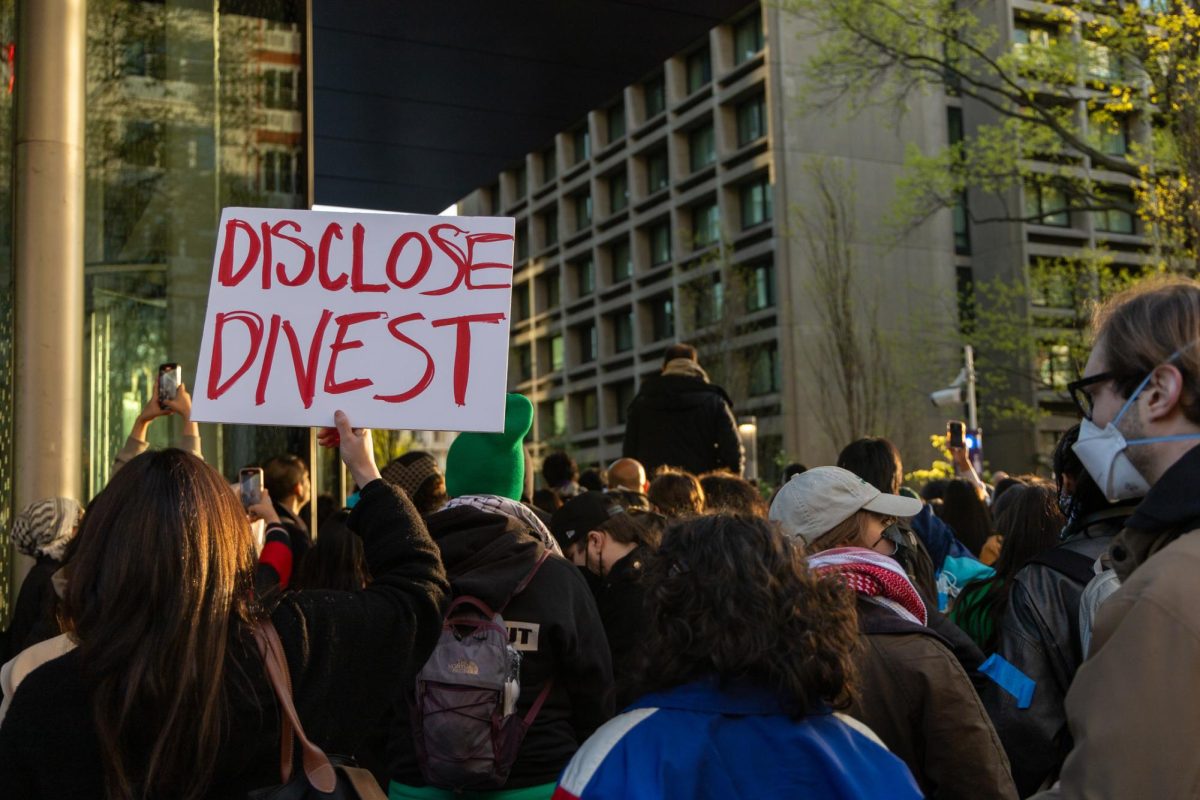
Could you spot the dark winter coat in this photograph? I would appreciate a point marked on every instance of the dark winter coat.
(915, 696)
(1039, 635)
(683, 422)
(297, 531)
(553, 623)
(33, 615)
(344, 650)
(621, 599)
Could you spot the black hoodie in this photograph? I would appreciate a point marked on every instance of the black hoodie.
(555, 625)
(1170, 509)
(683, 421)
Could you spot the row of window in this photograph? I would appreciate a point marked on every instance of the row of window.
(584, 407)
(751, 123)
(704, 300)
(755, 206)
(1046, 204)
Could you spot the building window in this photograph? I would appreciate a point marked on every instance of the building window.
(1056, 368)
(1050, 286)
(549, 164)
(1029, 36)
(747, 38)
(1119, 219)
(622, 332)
(752, 120)
(623, 394)
(706, 224)
(618, 191)
(702, 151)
(1103, 64)
(585, 277)
(585, 338)
(1110, 135)
(559, 417)
(709, 297)
(522, 182)
(522, 243)
(279, 89)
(553, 297)
(589, 416)
(699, 69)
(654, 97)
(760, 287)
(583, 211)
(615, 117)
(764, 370)
(524, 359)
(520, 302)
(583, 145)
(962, 228)
(280, 171)
(755, 201)
(550, 223)
(621, 259)
(662, 318)
(660, 243)
(556, 353)
(1046, 205)
(658, 172)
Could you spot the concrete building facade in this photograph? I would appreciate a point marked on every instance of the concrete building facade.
(685, 208)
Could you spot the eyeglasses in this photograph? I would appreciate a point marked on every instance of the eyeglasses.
(1083, 398)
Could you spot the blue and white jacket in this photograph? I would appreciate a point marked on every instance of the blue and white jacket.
(699, 741)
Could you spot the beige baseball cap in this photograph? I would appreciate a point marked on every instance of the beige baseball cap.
(814, 502)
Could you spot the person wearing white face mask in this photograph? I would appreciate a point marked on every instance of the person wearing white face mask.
(1134, 707)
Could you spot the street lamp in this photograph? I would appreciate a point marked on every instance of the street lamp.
(748, 431)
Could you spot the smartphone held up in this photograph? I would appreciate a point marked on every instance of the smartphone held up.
(170, 376)
(955, 433)
(250, 479)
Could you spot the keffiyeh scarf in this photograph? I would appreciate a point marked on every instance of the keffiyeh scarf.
(493, 504)
(46, 527)
(875, 576)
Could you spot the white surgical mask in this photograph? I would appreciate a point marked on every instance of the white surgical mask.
(1102, 452)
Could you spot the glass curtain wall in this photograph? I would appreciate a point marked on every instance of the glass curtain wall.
(192, 105)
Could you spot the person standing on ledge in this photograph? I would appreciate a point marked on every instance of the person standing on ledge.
(679, 419)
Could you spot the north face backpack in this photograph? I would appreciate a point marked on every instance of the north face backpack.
(465, 728)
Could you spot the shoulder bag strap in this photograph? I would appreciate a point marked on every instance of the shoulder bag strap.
(526, 580)
(317, 768)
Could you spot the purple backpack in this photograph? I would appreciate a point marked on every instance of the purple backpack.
(466, 731)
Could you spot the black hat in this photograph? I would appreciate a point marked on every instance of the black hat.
(580, 514)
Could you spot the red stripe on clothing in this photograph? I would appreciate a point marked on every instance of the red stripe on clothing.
(278, 556)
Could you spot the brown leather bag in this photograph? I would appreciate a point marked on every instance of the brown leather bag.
(326, 777)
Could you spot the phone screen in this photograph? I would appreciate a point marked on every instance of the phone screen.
(169, 378)
(954, 433)
(251, 480)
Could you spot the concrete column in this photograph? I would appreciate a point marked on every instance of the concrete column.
(48, 248)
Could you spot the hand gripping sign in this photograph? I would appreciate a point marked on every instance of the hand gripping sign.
(399, 320)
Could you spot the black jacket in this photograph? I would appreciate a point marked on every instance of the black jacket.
(683, 422)
(1039, 635)
(344, 650)
(553, 622)
(621, 599)
(297, 531)
(33, 615)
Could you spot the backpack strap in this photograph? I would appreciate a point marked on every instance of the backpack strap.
(317, 768)
(538, 702)
(526, 580)
(1070, 563)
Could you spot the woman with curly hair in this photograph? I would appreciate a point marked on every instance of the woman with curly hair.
(746, 655)
(911, 690)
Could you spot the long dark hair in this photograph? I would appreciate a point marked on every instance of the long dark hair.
(1030, 524)
(876, 460)
(336, 561)
(967, 515)
(731, 597)
(161, 583)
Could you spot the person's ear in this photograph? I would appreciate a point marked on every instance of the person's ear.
(1163, 392)
(595, 542)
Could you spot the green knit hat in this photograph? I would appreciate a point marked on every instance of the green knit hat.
(492, 463)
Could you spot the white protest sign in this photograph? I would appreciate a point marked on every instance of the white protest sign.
(399, 320)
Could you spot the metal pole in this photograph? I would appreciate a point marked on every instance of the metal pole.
(48, 244)
(972, 409)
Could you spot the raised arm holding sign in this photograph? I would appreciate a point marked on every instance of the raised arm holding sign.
(403, 323)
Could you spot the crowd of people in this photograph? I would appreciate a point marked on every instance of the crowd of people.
(659, 628)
